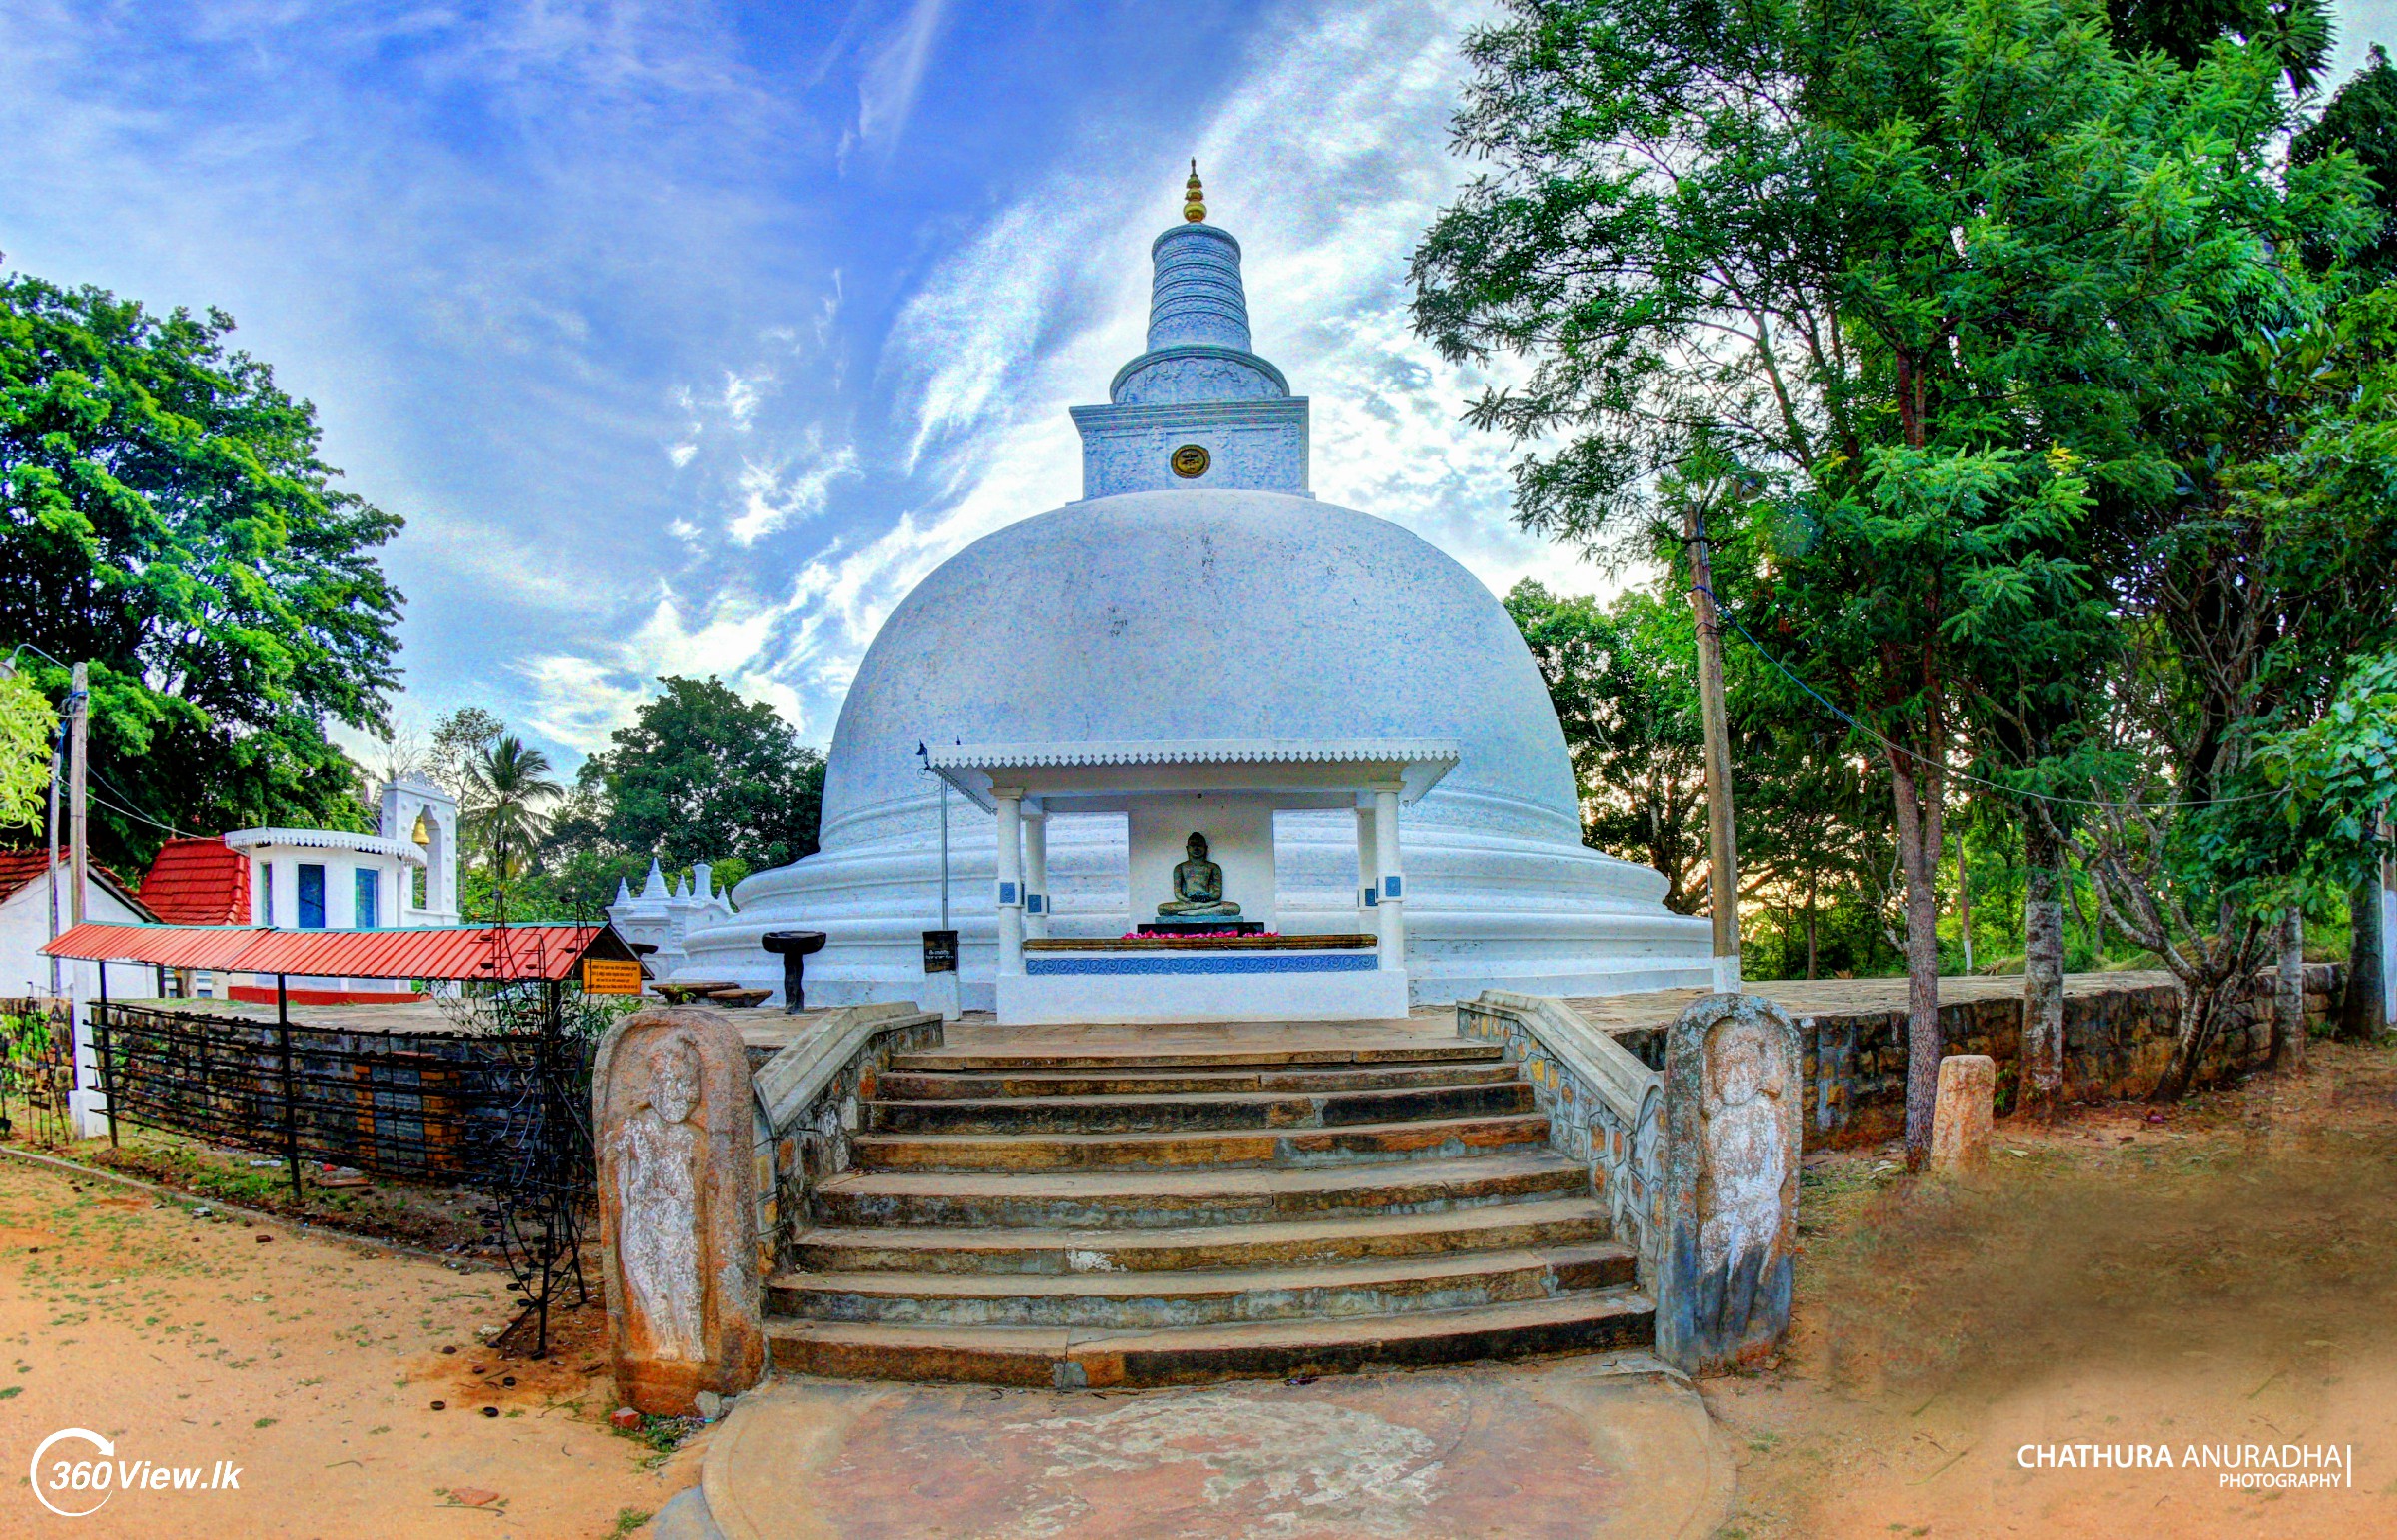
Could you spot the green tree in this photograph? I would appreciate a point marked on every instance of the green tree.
(507, 790)
(458, 739)
(26, 726)
(1904, 289)
(700, 775)
(1623, 679)
(2362, 119)
(164, 516)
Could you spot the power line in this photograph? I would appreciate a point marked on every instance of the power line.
(1724, 610)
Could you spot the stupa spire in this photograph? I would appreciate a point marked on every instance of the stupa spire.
(1198, 410)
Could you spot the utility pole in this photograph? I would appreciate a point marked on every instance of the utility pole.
(1722, 877)
(79, 707)
(1963, 900)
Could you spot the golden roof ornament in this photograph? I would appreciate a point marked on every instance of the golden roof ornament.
(1194, 197)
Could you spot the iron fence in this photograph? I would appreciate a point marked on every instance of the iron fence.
(451, 1109)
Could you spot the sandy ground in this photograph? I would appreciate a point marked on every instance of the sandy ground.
(2223, 1276)
(2226, 1275)
(310, 1364)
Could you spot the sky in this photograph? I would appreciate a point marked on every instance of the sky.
(687, 337)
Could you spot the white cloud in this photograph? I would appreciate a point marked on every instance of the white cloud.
(1328, 162)
(886, 94)
(774, 495)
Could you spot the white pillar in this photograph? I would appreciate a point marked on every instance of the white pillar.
(1036, 874)
(1368, 870)
(1393, 904)
(1010, 877)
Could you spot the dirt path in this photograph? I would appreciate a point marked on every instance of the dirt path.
(2221, 1276)
(310, 1364)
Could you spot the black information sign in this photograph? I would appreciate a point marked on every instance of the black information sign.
(939, 951)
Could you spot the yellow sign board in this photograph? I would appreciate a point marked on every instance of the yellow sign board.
(607, 975)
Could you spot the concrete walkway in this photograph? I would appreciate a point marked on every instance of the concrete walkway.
(1602, 1447)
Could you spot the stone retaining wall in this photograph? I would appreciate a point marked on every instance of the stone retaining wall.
(2117, 1041)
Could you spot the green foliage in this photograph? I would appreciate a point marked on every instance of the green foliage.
(2362, 119)
(700, 775)
(165, 518)
(1623, 679)
(507, 786)
(2342, 767)
(458, 739)
(27, 723)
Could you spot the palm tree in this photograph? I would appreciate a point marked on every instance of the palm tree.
(506, 786)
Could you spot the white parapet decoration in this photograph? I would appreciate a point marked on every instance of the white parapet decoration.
(663, 916)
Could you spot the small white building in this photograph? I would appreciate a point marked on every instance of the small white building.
(25, 900)
(401, 878)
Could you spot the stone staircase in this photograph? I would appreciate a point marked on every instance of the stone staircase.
(1161, 1208)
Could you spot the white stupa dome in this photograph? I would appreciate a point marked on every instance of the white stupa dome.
(1226, 604)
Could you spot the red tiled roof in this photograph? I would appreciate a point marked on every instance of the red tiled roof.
(20, 867)
(515, 951)
(199, 882)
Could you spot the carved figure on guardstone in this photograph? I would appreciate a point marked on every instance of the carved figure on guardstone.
(674, 1119)
(656, 1153)
(1730, 1204)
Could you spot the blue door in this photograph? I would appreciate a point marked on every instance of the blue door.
(370, 892)
(312, 898)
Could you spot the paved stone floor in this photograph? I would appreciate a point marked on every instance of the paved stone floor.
(1604, 1446)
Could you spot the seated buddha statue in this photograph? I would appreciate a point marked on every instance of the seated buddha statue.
(1197, 886)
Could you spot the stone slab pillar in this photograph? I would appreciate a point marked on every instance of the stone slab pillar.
(673, 1121)
(1036, 874)
(1369, 868)
(1959, 1118)
(1009, 895)
(1392, 899)
(1730, 1209)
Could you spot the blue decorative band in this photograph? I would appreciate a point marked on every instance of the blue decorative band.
(1007, 893)
(1389, 888)
(1183, 963)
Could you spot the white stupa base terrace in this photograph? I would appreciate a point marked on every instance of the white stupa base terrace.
(1486, 911)
(1215, 985)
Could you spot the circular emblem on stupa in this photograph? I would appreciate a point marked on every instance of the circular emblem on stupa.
(1189, 462)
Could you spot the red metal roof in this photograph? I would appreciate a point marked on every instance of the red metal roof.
(19, 867)
(199, 882)
(515, 951)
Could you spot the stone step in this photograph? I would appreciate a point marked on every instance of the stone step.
(1501, 1227)
(1073, 1357)
(1257, 1049)
(1179, 1199)
(1195, 1109)
(1158, 1299)
(929, 1086)
(1187, 1149)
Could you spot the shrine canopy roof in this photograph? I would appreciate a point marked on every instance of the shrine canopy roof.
(1296, 772)
(509, 954)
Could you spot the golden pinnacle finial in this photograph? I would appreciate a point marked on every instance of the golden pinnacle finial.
(1194, 197)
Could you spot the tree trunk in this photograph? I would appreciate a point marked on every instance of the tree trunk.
(2288, 992)
(2360, 1002)
(1810, 923)
(1918, 829)
(2190, 1038)
(2043, 969)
